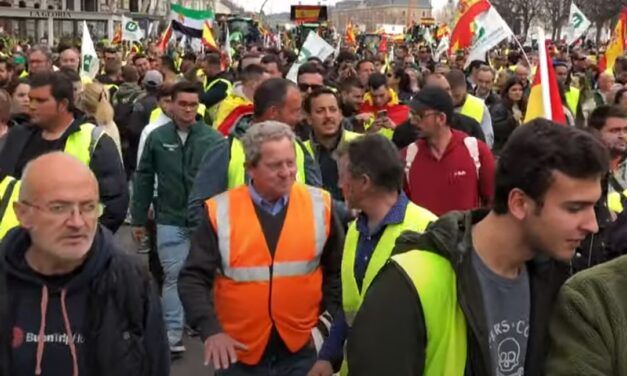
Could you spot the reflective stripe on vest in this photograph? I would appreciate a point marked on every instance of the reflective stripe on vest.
(473, 107)
(416, 219)
(236, 173)
(614, 201)
(572, 99)
(256, 290)
(347, 136)
(9, 191)
(80, 144)
(213, 110)
(436, 285)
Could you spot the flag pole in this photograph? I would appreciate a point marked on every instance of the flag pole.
(523, 50)
(544, 75)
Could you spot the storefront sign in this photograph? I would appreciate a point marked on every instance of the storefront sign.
(50, 14)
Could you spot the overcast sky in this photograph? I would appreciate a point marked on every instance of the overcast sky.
(280, 6)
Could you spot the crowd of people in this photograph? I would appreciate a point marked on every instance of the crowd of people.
(374, 217)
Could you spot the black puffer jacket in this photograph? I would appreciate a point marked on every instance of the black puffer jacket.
(503, 123)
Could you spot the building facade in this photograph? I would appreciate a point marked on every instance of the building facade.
(370, 14)
(50, 20)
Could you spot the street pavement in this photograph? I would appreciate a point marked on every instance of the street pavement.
(191, 364)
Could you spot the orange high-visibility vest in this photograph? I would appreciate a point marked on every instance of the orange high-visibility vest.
(255, 290)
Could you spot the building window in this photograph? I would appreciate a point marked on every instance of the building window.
(22, 4)
(36, 6)
(90, 5)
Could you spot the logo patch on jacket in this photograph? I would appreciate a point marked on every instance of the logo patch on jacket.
(170, 147)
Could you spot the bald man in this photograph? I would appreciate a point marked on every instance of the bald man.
(602, 95)
(522, 73)
(69, 58)
(65, 303)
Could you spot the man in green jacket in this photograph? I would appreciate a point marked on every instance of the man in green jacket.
(589, 327)
(172, 153)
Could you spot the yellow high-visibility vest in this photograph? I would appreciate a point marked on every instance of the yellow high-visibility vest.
(79, 144)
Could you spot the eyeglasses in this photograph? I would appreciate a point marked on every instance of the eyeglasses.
(188, 106)
(414, 116)
(89, 210)
(306, 87)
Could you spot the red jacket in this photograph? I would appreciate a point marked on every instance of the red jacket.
(450, 183)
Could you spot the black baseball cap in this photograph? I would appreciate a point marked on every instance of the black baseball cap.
(433, 98)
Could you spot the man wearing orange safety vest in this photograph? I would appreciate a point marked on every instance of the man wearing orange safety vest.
(262, 280)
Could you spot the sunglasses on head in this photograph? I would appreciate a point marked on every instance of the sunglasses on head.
(306, 87)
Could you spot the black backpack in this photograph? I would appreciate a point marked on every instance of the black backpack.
(122, 109)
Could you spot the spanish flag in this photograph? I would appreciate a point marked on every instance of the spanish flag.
(165, 38)
(442, 31)
(616, 47)
(349, 36)
(117, 37)
(463, 33)
(207, 38)
(544, 98)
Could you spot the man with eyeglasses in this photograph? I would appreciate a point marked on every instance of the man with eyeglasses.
(425, 60)
(172, 153)
(445, 169)
(71, 301)
(310, 77)
(222, 167)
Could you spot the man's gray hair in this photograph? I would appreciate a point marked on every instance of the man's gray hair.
(43, 49)
(263, 132)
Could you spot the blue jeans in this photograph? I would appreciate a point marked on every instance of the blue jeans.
(173, 247)
(297, 364)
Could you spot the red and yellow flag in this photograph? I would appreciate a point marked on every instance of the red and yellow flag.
(544, 97)
(349, 34)
(463, 32)
(165, 38)
(117, 36)
(207, 37)
(616, 47)
(442, 31)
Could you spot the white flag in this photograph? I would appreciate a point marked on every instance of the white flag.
(89, 59)
(131, 30)
(442, 48)
(577, 24)
(338, 48)
(313, 46)
(428, 37)
(490, 30)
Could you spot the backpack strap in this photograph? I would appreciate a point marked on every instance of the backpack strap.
(473, 149)
(96, 133)
(412, 151)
